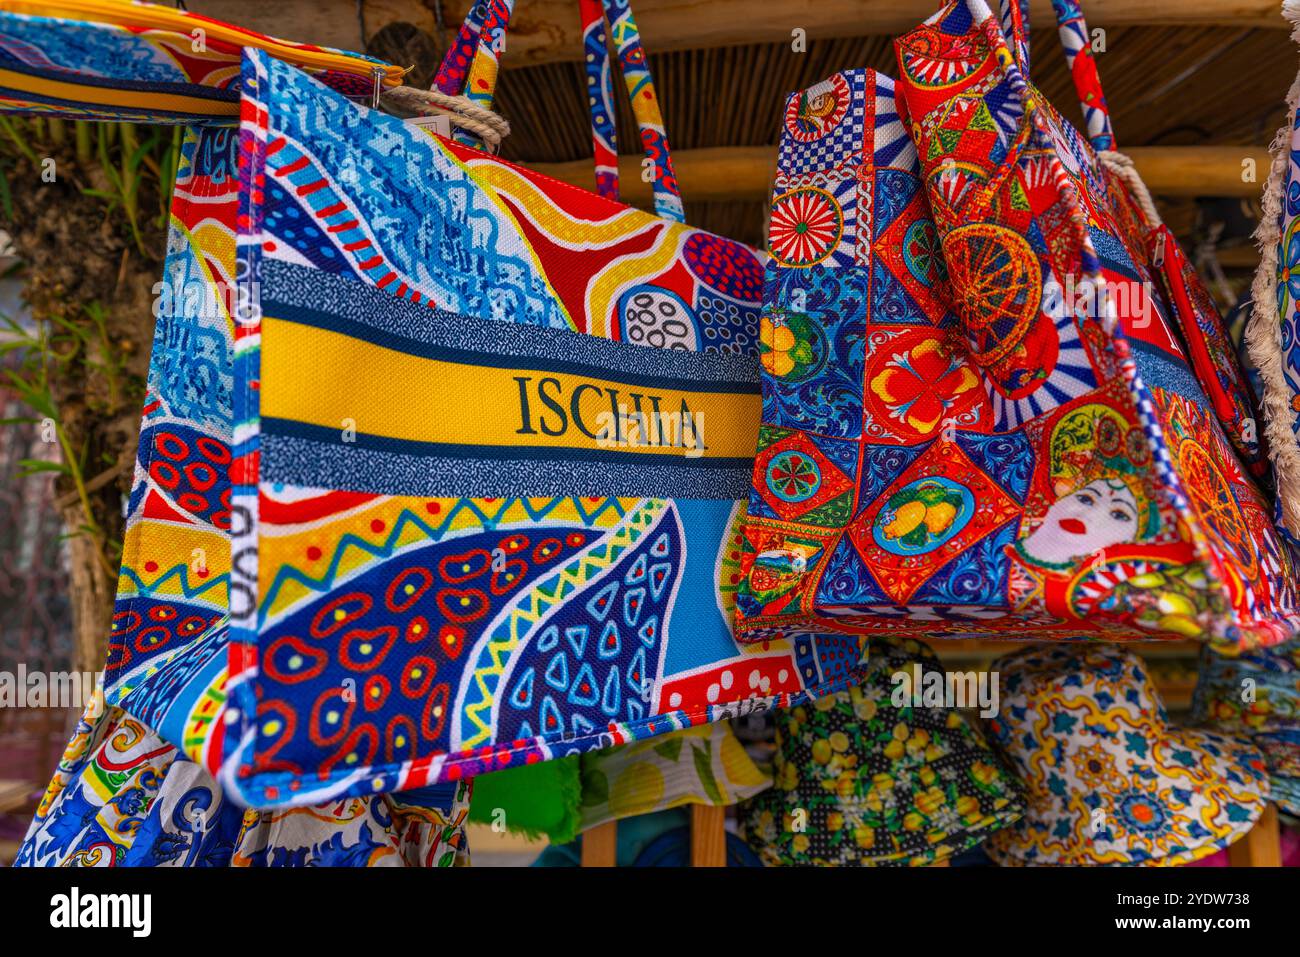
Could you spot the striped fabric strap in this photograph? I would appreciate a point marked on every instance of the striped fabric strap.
(1015, 26)
(481, 81)
(1077, 41)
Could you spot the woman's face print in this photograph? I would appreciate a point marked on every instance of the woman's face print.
(1098, 515)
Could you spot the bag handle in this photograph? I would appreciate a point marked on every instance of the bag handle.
(600, 97)
(1015, 26)
(1073, 31)
(597, 15)
(470, 68)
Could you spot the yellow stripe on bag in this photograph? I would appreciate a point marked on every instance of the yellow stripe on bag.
(83, 94)
(336, 382)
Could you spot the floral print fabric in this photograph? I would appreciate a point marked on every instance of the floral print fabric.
(861, 781)
(1257, 695)
(1109, 780)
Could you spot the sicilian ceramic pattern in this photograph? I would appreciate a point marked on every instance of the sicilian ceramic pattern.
(874, 782)
(148, 69)
(959, 438)
(1109, 780)
(1282, 753)
(405, 640)
(123, 797)
(701, 765)
(1214, 357)
(1274, 334)
(1257, 694)
(1288, 263)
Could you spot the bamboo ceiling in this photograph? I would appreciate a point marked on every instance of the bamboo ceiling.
(1166, 86)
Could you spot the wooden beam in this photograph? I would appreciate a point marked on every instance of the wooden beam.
(708, 836)
(546, 31)
(600, 845)
(729, 173)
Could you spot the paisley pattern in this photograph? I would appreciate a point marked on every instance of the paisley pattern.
(1109, 780)
(866, 777)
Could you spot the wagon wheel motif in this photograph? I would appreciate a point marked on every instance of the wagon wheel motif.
(806, 226)
(932, 59)
(922, 253)
(1212, 499)
(793, 477)
(997, 285)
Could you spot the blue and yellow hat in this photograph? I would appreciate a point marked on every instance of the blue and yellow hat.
(1109, 779)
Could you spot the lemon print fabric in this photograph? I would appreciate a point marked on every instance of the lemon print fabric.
(701, 765)
(862, 782)
(922, 516)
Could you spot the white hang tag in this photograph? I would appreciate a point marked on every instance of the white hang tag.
(434, 124)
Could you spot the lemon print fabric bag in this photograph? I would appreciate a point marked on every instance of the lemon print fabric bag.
(979, 414)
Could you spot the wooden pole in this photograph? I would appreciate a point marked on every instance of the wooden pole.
(546, 31)
(708, 836)
(1262, 846)
(729, 173)
(600, 845)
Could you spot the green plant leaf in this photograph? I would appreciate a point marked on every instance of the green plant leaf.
(32, 466)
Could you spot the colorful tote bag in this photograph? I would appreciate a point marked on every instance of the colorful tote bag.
(412, 439)
(108, 59)
(985, 424)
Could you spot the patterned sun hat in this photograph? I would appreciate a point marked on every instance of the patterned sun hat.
(1110, 780)
(862, 781)
(1257, 695)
